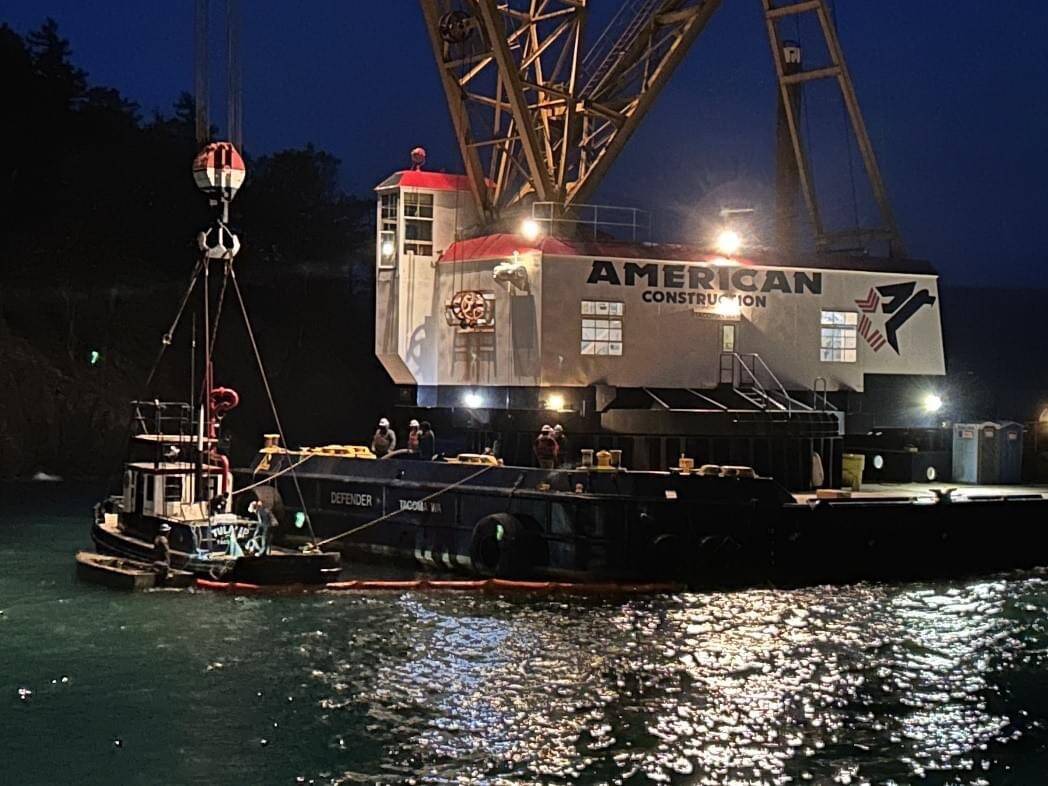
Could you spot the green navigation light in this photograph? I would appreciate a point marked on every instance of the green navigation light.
(300, 520)
(95, 357)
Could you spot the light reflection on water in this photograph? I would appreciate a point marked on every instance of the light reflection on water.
(921, 683)
(849, 685)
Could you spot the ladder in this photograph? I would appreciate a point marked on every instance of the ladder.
(616, 39)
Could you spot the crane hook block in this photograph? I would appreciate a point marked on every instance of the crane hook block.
(219, 170)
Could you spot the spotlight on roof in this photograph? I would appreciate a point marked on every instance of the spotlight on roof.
(555, 402)
(932, 403)
(529, 229)
(473, 400)
(728, 242)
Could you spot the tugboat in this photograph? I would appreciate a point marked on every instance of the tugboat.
(176, 479)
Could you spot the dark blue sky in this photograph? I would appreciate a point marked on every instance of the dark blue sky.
(955, 98)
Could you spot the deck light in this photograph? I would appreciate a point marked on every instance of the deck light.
(529, 229)
(473, 400)
(387, 248)
(932, 403)
(555, 402)
(729, 242)
(728, 307)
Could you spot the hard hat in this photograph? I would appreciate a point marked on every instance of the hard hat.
(413, 423)
(383, 423)
(165, 527)
(558, 427)
(546, 429)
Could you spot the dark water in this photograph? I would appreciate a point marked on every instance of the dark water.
(937, 684)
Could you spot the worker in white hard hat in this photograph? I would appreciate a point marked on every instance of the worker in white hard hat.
(546, 448)
(385, 440)
(413, 435)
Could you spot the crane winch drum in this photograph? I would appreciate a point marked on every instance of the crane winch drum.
(219, 170)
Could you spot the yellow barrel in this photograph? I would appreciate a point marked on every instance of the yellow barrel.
(852, 465)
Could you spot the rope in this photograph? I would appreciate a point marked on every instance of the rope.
(391, 514)
(274, 476)
(269, 394)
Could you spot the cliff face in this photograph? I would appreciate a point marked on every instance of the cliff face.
(55, 416)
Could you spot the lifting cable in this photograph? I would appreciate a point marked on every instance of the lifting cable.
(393, 513)
(165, 342)
(269, 394)
(218, 312)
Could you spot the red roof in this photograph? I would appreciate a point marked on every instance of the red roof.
(420, 178)
(502, 246)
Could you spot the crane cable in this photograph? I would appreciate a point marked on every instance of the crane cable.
(269, 394)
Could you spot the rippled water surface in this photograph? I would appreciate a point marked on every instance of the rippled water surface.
(917, 683)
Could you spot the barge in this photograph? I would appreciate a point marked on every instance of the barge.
(711, 527)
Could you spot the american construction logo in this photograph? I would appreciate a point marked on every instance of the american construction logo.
(700, 285)
(896, 300)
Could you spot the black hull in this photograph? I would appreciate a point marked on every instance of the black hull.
(709, 532)
(281, 567)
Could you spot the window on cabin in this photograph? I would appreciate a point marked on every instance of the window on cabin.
(150, 483)
(418, 223)
(388, 221)
(838, 337)
(173, 489)
(601, 328)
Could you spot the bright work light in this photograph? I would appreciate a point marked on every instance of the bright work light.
(555, 402)
(473, 400)
(529, 229)
(729, 242)
(387, 248)
(932, 403)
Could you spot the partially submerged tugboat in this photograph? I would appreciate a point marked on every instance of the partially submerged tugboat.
(176, 478)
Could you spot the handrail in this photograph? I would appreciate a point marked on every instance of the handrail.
(606, 51)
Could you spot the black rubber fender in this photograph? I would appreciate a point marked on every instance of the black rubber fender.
(667, 557)
(506, 546)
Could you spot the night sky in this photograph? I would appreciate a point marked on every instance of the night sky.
(955, 97)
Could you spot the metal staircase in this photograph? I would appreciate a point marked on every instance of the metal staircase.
(752, 379)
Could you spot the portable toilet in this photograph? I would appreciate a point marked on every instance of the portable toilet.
(990, 452)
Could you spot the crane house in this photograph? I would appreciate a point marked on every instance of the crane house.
(657, 348)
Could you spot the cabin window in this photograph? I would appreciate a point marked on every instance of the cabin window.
(388, 221)
(601, 328)
(150, 483)
(418, 223)
(173, 489)
(838, 337)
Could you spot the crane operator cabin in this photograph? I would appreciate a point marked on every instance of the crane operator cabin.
(506, 299)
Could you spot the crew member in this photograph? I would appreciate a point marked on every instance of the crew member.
(546, 448)
(427, 441)
(562, 443)
(162, 552)
(413, 436)
(385, 440)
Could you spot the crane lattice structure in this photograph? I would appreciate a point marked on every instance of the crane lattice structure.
(539, 119)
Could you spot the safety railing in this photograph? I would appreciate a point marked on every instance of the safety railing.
(743, 371)
(596, 222)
